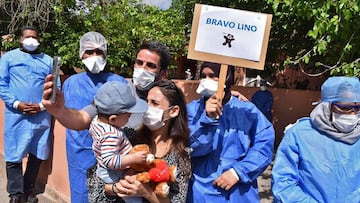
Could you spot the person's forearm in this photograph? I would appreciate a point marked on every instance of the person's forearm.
(109, 190)
(73, 119)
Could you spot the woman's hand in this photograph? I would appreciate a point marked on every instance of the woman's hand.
(213, 107)
(130, 187)
(239, 95)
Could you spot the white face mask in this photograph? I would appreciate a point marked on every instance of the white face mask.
(30, 44)
(345, 122)
(262, 88)
(143, 78)
(95, 64)
(153, 118)
(207, 87)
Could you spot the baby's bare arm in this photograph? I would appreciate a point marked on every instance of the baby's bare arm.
(135, 158)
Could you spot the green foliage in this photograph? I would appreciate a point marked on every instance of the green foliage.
(322, 36)
(124, 24)
(9, 42)
(327, 30)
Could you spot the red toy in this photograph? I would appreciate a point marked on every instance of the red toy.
(155, 171)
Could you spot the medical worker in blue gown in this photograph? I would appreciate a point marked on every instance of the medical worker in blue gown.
(232, 143)
(79, 91)
(27, 125)
(318, 159)
(263, 99)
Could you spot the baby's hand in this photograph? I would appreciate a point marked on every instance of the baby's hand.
(140, 157)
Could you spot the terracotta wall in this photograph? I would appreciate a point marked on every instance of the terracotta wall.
(289, 105)
(53, 173)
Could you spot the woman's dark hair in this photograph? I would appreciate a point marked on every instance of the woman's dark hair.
(178, 126)
(229, 80)
(178, 130)
(215, 67)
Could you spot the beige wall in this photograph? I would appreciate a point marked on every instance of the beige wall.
(53, 172)
(289, 105)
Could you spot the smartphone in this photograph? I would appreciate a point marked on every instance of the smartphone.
(55, 73)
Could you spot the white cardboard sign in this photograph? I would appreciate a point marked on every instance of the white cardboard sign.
(229, 36)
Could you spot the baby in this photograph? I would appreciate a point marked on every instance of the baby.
(115, 102)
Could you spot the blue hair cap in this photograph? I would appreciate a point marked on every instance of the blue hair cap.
(341, 89)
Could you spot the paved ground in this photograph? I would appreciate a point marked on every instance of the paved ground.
(43, 198)
(263, 182)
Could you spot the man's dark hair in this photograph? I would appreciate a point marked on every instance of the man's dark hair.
(159, 48)
(29, 28)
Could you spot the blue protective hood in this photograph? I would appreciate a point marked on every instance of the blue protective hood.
(341, 89)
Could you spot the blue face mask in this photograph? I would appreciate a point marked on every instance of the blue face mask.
(345, 122)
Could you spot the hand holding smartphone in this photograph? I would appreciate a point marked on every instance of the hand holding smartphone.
(55, 73)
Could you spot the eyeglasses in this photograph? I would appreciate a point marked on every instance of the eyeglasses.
(148, 64)
(96, 51)
(347, 108)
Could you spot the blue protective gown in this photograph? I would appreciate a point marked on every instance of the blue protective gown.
(242, 139)
(312, 167)
(79, 91)
(264, 101)
(22, 77)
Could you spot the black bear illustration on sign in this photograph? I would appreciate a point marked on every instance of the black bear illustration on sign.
(228, 39)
